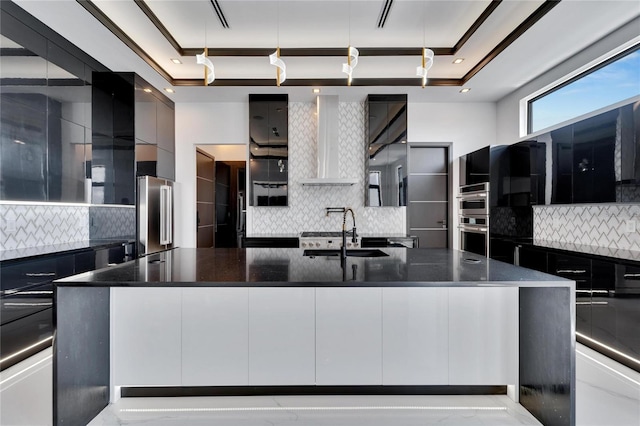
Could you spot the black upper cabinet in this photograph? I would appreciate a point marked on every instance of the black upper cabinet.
(527, 173)
(386, 151)
(269, 152)
(594, 143)
(475, 167)
(596, 160)
(133, 134)
(562, 154)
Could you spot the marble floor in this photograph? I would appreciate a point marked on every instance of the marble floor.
(318, 411)
(607, 394)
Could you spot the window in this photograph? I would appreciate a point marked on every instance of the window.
(610, 82)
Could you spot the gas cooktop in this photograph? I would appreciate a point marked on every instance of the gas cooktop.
(323, 234)
(326, 239)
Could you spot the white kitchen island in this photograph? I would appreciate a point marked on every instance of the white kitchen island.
(272, 321)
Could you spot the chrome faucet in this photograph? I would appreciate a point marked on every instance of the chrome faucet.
(344, 231)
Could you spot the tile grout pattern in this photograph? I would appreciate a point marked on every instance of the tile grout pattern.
(589, 225)
(25, 226)
(41, 225)
(306, 204)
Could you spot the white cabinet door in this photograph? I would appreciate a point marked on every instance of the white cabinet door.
(145, 337)
(215, 336)
(415, 341)
(282, 336)
(483, 343)
(349, 336)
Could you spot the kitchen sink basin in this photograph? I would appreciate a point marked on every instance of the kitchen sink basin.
(350, 253)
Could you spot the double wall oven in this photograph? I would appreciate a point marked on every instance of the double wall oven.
(473, 222)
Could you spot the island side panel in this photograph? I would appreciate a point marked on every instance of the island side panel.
(547, 354)
(80, 354)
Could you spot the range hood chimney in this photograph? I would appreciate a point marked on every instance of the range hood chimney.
(327, 148)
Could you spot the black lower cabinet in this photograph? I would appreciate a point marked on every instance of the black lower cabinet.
(607, 299)
(26, 300)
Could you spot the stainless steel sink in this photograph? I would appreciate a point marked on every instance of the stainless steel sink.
(350, 253)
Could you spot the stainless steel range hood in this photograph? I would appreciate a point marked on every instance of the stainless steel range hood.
(327, 147)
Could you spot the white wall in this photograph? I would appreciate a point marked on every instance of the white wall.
(468, 125)
(508, 108)
(201, 124)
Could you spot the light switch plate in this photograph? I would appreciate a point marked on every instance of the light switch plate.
(10, 226)
(630, 225)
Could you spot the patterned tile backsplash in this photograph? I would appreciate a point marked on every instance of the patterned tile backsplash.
(306, 210)
(32, 225)
(38, 225)
(108, 222)
(601, 225)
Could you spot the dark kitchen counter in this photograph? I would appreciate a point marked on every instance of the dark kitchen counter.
(289, 267)
(34, 252)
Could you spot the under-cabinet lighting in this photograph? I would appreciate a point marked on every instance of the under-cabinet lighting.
(458, 60)
(13, 355)
(176, 61)
(613, 370)
(147, 90)
(312, 408)
(464, 90)
(169, 90)
(315, 90)
(609, 348)
(26, 369)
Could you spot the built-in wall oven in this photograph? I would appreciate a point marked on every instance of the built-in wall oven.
(473, 218)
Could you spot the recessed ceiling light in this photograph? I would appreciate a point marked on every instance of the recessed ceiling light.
(316, 90)
(464, 90)
(170, 90)
(176, 61)
(147, 90)
(458, 60)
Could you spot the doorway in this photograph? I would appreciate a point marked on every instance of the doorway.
(428, 209)
(230, 203)
(205, 199)
(221, 200)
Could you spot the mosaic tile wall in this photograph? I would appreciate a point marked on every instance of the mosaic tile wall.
(36, 225)
(307, 203)
(108, 222)
(602, 225)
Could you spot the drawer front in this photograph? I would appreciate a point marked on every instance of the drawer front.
(30, 273)
(627, 279)
(25, 302)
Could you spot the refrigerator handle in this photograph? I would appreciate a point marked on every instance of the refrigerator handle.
(166, 215)
(239, 215)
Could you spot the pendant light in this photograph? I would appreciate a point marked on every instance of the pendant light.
(352, 56)
(274, 58)
(201, 59)
(427, 55)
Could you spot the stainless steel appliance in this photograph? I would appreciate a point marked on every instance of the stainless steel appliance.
(473, 221)
(241, 215)
(474, 199)
(327, 240)
(155, 215)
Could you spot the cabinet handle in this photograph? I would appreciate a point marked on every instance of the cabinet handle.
(40, 274)
(632, 276)
(571, 271)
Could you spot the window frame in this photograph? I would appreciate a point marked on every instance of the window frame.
(526, 120)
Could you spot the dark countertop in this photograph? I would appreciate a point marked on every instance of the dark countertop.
(288, 267)
(68, 248)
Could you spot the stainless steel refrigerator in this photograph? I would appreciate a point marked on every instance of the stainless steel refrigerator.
(155, 215)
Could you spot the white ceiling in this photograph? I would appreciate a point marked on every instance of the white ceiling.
(567, 29)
